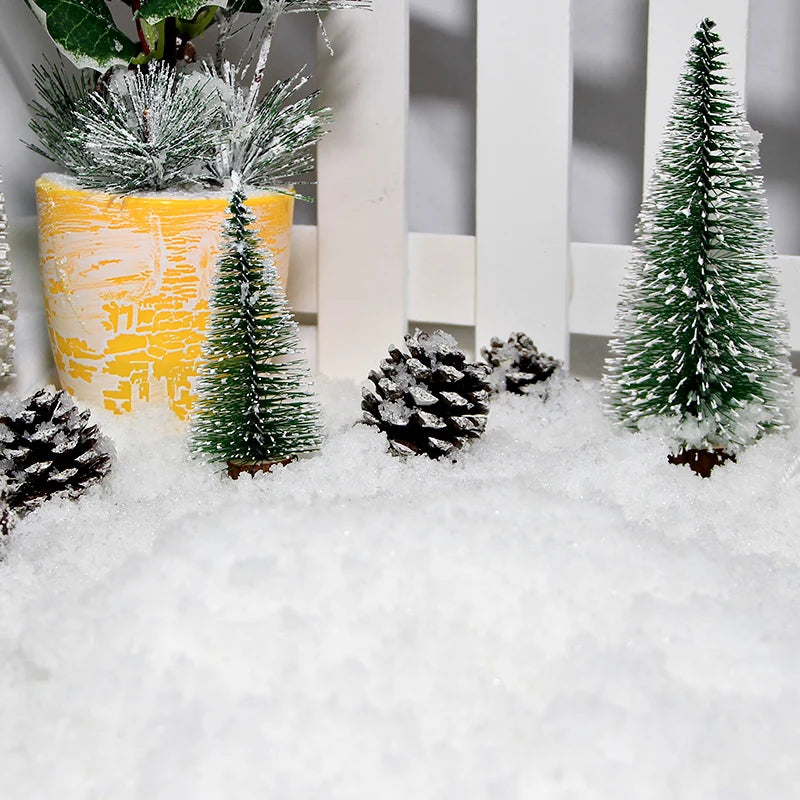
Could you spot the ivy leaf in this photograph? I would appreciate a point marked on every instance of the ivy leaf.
(85, 32)
(154, 11)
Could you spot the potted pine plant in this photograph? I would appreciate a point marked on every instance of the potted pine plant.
(150, 140)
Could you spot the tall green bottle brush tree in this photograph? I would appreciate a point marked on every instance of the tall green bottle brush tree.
(702, 337)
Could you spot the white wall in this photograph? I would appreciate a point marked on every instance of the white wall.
(609, 53)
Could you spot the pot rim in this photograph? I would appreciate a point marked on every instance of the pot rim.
(57, 181)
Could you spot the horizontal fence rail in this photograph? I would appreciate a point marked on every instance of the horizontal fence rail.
(441, 282)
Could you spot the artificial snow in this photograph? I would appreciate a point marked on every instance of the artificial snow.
(558, 614)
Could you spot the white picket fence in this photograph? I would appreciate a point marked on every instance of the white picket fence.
(361, 276)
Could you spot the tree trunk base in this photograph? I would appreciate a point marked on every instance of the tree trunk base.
(235, 469)
(701, 462)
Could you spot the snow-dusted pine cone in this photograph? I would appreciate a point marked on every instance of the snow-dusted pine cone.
(517, 364)
(49, 449)
(429, 400)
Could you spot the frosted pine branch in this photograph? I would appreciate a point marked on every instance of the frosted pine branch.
(316, 6)
(149, 132)
(142, 131)
(55, 114)
(271, 143)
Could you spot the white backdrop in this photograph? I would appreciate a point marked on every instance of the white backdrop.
(609, 51)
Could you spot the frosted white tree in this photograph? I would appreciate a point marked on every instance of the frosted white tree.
(269, 144)
(8, 300)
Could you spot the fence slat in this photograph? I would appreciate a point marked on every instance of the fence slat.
(361, 206)
(670, 29)
(441, 279)
(524, 138)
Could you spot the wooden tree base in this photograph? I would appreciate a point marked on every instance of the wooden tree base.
(701, 461)
(235, 469)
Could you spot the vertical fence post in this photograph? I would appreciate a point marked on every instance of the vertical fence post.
(670, 28)
(361, 205)
(524, 138)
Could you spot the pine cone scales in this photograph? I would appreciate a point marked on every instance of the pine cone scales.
(517, 364)
(430, 400)
(49, 449)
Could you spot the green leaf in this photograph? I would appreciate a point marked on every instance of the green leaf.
(85, 32)
(154, 11)
(201, 21)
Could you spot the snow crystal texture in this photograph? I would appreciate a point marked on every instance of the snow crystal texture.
(558, 614)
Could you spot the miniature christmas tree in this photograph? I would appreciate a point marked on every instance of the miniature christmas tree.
(701, 336)
(254, 406)
(48, 449)
(8, 301)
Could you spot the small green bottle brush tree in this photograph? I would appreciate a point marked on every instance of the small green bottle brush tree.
(255, 406)
(701, 334)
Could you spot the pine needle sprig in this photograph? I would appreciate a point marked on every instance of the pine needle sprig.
(55, 114)
(140, 130)
(269, 144)
(148, 132)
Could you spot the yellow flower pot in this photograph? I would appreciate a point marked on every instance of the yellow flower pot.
(126, 284)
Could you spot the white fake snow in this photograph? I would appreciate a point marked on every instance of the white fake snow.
(560, 614)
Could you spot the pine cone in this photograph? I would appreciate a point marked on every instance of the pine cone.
(431, 401)
(517, 364)
(48, 449)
